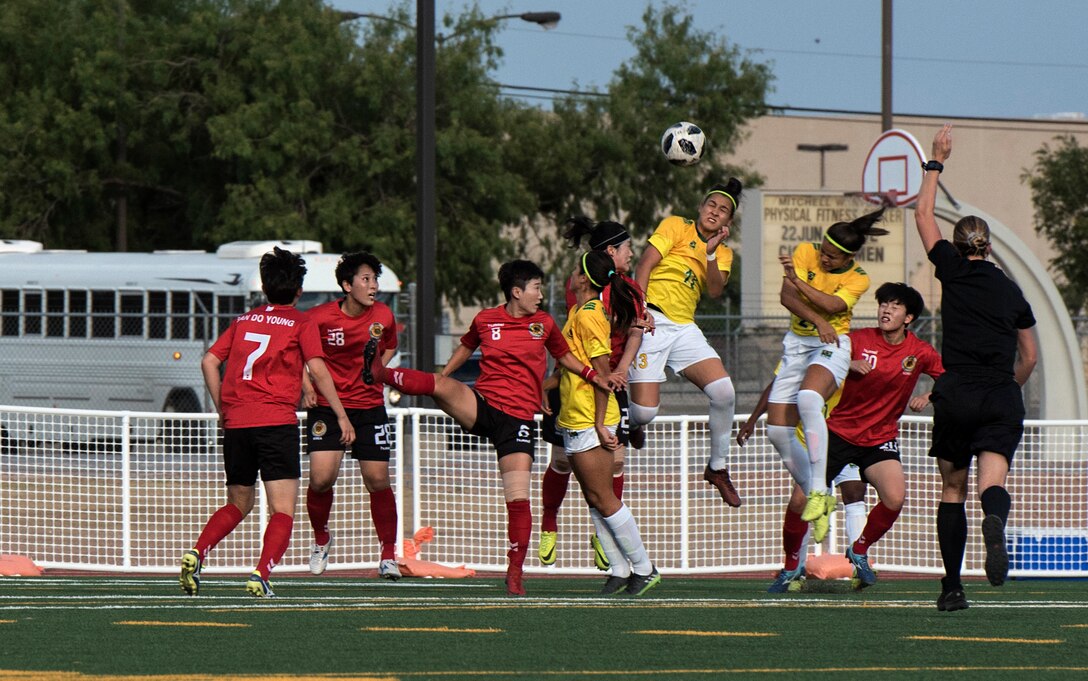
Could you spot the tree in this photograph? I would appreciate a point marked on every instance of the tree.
(1059, 189)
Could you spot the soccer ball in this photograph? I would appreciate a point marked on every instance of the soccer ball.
(683, 143)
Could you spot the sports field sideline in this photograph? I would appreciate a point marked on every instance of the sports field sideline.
(704, 628)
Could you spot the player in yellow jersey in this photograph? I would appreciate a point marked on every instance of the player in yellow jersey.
(820, 286)
(684, 259)
(589, 417)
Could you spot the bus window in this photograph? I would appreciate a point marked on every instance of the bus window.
(32, 313)
(180, 315)
(132, 314)
(156, 314)
(202, 315)
(311, 299)
(54, 311)
(229, 308)
(103, 309)
(9, 307)
(77, 314)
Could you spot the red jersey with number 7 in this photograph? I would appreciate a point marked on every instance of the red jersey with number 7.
(264, 351)
(514, 356)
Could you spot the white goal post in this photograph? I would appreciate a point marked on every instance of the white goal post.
(132, 492)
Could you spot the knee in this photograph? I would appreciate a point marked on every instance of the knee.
(617, 468)
(376, 482)
(853, 491)
(809, 403)
(641, 414)
(894, 500)
(721, 392)
(320, 484)
(561, 465)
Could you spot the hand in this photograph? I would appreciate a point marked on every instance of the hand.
(919, 403)
(618, 379)
(787, 267)
(860, 366)
(605, 382)
(827, 333)
(545, 404)
(647, 323)
(607, 438)
(716, 239)
(347, 433)
(942, 143)
(309, 397)
(745, 432)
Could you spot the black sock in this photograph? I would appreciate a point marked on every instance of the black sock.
(952, 537)
(996, 501)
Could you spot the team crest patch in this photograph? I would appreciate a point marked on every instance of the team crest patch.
(826, 354)
(319, 428)
(692, 244)
(536, 329)
(909, 363)
(376, 330)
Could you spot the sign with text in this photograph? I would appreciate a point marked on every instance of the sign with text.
(793, 218)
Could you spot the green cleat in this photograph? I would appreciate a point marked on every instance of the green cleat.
(821, 525)
(547, 547)
(258, 586)
(190, 572)
(599, 557)
(815, 507)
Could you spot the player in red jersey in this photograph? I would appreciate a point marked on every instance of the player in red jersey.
(863, 428)
(515, 340)
(264, 351)
(352, 328)
(611, 238)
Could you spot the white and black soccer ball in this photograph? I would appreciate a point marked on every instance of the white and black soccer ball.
(683, 143)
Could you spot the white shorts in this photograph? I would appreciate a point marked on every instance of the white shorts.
(801, 352)
(575, 441)
(676, 346)
(849, 473)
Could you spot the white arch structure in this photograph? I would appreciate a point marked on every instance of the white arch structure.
(1063, 389)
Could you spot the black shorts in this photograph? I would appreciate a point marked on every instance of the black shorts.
(272, 450)
(840, 453)
(551, 433)
(507, 433)
(372, 432)
(973, 414)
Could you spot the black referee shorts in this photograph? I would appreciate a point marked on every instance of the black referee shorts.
(973, 414)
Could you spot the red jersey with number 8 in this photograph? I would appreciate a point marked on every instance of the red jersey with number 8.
(264, 351)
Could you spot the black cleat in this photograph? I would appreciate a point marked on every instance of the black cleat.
(950, 601)
(997, 556)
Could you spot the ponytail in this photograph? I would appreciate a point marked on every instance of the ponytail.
(849, 237)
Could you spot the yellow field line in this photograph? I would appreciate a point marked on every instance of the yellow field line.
(138, 623)
(435, 630)
(979, 639)
(665, 632)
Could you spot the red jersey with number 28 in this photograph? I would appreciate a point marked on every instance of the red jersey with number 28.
(343, 339)
(514, 357)
(264, 351)
(871, 404)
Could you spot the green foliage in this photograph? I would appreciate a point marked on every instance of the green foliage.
(211, 120)
(1059, 188)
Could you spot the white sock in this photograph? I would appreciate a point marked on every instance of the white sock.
(640, 414)
(855, 520)
(810, 405)
(723, 405)
(625, 530)
(620, 566)
(793, 455)
(804, 547)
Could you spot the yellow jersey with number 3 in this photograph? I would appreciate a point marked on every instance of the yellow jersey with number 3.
(677, 282)
(588, 333)
(849, 283)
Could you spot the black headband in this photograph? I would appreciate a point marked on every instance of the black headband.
(607, 234)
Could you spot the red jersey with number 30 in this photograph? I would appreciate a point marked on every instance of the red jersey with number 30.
(264, 351)
(514, 357)
(868, 412)
(343, 339)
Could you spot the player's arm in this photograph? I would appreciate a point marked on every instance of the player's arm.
(924, 216)
(309, 394)
(600, 411)
(209, 366)
(823, 302)
(715, 278)
(1027, 355)
(630, 350)
(590, 373)
(323, 380)
(649, 260)
(749, 426)
(460, 355)
(791, 299)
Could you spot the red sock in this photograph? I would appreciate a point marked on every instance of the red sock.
(383, 511)
(218, 526)
(276, 538)
(318, 508)
(880, 520)
(519, 526)
(793, 536)
(552, 492)
(410, 381)
(617, 486)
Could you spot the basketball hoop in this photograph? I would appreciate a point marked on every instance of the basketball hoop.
(892, 174)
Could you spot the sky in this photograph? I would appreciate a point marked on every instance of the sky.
(956, 58)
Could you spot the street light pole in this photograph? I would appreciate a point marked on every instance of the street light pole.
(426, 228)
(823, 149)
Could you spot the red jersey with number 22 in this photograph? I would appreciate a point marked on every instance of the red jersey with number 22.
(514, 357)
(344, 339)
(264, 351)
(871, 404)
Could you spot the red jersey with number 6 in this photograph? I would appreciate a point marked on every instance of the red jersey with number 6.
(264, 351)
(868, 411)
(514, 357)
(343, 339)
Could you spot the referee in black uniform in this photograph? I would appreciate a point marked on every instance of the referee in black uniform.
(989, 350)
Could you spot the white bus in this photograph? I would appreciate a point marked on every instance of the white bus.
(126, 331)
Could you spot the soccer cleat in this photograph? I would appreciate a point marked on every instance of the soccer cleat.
(720, 480)
(997, 556)
(785, 581)
(547, 547)
(514, 587)
(815, 507)
(614, 585)
(319, 556)
(640, 584)
(864, 573)
(258, 586)
(190, 572)
(952, 600)
(387, 569)
(599, 557)
(821, 525)
(637, 436)
(369, 352)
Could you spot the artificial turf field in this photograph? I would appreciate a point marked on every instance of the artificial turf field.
(686, 628)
